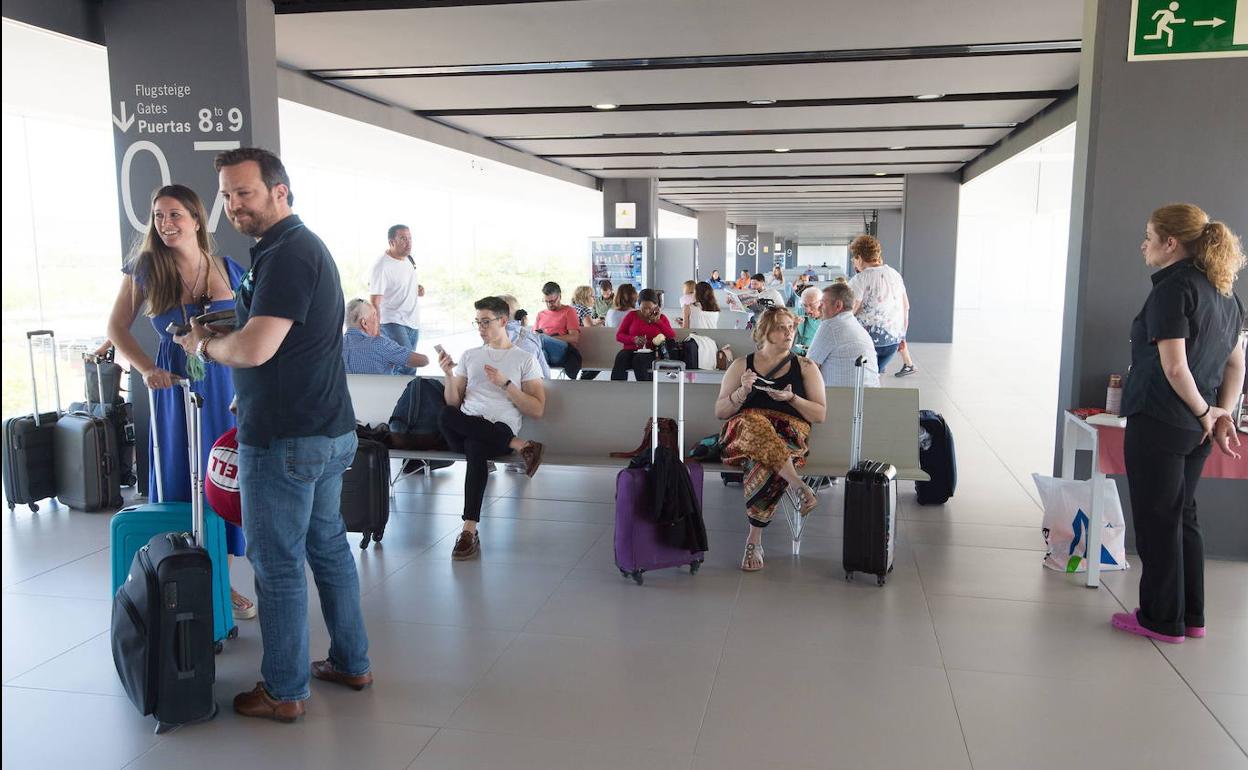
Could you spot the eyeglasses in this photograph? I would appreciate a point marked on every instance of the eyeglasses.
(482, 323)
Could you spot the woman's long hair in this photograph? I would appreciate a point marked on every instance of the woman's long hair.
(1215, 250)
(626, 297)
(704, 295)
(153, 265)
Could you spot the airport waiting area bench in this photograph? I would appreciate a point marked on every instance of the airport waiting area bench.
(586, 420)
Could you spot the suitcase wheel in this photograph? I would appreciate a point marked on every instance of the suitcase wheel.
(34, 507)
(12, 507)
(377, 537)
(694, 567)
(217, 647)
(636, 576)
(623, 572)
(879, 580)
(232, 633)
(364, 542)
(849, 576)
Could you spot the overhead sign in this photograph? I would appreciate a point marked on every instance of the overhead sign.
(1187, 29)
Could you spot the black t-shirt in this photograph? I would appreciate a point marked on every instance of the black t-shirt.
(302, 389)
(1182, 305)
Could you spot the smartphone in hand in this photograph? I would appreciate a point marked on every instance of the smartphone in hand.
(441, 350)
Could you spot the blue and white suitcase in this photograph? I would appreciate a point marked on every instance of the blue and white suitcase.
(132, 527)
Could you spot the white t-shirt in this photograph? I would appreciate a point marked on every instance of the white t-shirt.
(702, 319)
(395, 280)
(483, 398)
(882, 293)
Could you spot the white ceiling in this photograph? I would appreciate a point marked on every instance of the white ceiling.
(686, 122)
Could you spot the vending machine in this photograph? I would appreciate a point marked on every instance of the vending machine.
(620, 261)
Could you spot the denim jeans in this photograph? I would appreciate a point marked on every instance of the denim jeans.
(560, 353)
(405, 336)
(884, 354)
(291, 492)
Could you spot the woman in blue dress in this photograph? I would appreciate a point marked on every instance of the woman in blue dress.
(172, 277)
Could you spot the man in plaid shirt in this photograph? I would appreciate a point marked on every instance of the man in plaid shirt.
(366, 351)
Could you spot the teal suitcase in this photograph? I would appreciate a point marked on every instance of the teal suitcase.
(131, 528)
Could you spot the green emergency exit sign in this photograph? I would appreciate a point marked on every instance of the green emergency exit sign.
(1188, 29)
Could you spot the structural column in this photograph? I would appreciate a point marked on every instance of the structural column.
(187, 80)
(712, 243)
(1149, 133)
(766, 251)
(928, 254)
(747, 248)
(889, 233)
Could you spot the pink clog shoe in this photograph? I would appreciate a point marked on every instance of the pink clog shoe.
(1127, 621)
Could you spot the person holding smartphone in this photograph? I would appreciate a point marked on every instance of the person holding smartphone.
(488, 393)
(641, 332)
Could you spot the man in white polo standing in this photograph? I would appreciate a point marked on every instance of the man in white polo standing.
(395, 292)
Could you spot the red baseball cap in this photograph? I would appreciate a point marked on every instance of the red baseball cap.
(221, 484)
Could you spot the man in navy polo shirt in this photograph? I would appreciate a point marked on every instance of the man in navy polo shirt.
(296, 436)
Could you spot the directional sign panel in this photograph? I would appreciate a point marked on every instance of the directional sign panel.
(1188, 29)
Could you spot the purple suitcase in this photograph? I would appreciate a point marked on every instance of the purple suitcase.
(638, 544)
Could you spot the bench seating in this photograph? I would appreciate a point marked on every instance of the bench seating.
(598, 345)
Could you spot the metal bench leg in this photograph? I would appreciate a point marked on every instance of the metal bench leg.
(793, 516)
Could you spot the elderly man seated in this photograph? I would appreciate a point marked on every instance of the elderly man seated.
(365, 351)
(811, 301)
(841, 339)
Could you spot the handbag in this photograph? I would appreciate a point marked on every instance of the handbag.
(723, 357)
(668, 437)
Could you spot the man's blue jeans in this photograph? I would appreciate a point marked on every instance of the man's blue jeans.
(405, 336)
(555, 349)
(291, 494)
(884, 354)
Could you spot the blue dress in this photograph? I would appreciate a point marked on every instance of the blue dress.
(217, 388)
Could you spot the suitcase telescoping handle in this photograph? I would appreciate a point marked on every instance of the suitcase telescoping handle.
(192, 403)
(678, 367)
(855, 445)
(56, 375)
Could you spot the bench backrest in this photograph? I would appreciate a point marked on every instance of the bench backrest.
(598, 345)
(589, 420)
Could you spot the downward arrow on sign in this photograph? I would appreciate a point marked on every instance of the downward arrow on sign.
(123, 122)
(1215, 22)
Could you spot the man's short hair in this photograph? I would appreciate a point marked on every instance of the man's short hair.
(496, 305)
(604, 285)
(272, 172)
(393, 232)
(758, 277)
(839, 292)
(357, 311)
(808, 292)
(550, 287)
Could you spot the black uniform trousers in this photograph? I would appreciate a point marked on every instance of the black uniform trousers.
(1164, 464)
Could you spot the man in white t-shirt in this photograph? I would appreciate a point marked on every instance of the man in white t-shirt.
(487, 392)
(394, 291)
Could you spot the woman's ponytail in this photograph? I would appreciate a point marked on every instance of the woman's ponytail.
(1219, 255)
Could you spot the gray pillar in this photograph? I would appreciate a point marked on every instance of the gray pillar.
(641, 192)
(766, 249)
(187, 79)
(890, 236)
(790, 252)
(747, 248)
(929, 251)
(1140, 144)
(712, 245)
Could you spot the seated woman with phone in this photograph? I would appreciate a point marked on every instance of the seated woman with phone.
(641, 333)
(770, 399)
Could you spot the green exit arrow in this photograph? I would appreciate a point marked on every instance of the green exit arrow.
(1188, 29)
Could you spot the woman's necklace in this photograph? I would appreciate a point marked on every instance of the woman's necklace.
(190, 289)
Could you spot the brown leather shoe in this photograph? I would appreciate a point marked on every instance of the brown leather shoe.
(324, 670)
(467, 545)
(258, 703)
(532, 454)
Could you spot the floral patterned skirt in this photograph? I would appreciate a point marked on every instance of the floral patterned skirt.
(760, 440)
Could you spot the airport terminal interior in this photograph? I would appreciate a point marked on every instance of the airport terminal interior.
(1006, 156)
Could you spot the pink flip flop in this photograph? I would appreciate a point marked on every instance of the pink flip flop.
(1127, 621)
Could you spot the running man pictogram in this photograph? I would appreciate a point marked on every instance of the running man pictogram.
(1164, 18)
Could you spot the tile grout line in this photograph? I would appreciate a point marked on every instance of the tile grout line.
(9, 588)
(706, 707)
(940, 649)
(88, 640)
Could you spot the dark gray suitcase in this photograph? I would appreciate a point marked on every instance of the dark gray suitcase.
(870, 523)
(118, 412)
(29, 474)
(87, 471)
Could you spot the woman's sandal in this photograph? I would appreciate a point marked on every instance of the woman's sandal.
(810, 501)
(753, 559)
(244, 608)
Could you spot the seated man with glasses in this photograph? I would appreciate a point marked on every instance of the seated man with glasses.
(559, 326)
(487, 393)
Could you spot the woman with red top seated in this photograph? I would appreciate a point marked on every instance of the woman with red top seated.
(644, 328)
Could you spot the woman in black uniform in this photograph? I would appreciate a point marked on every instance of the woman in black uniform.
(1187, 369)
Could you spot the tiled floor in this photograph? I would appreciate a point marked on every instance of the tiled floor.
(541, 657)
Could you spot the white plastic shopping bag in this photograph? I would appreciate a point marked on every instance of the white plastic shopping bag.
(1066, 506)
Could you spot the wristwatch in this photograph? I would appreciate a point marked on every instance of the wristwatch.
(201, 349)
(506, 384)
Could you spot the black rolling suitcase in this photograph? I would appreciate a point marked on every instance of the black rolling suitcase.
(870, 525)
(29, 463)
(366, 491)
(162, 631)
(938, 460)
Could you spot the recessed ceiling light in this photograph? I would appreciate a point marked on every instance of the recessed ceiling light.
(898, 147)
(928, 97)
(606, 106)
(881, 173)
(761, 102)
(782, 149)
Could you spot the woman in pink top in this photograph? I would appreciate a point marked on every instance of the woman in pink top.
(645, 327)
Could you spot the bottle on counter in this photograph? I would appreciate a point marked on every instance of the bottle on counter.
(1113, 394)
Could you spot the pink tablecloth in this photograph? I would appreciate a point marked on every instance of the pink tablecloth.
(1218, 466)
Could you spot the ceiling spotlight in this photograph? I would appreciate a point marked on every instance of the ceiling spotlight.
(928, 97)
(606, 106)
(881, 173)
(761, 102)
(781, 149)
(898, 147)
